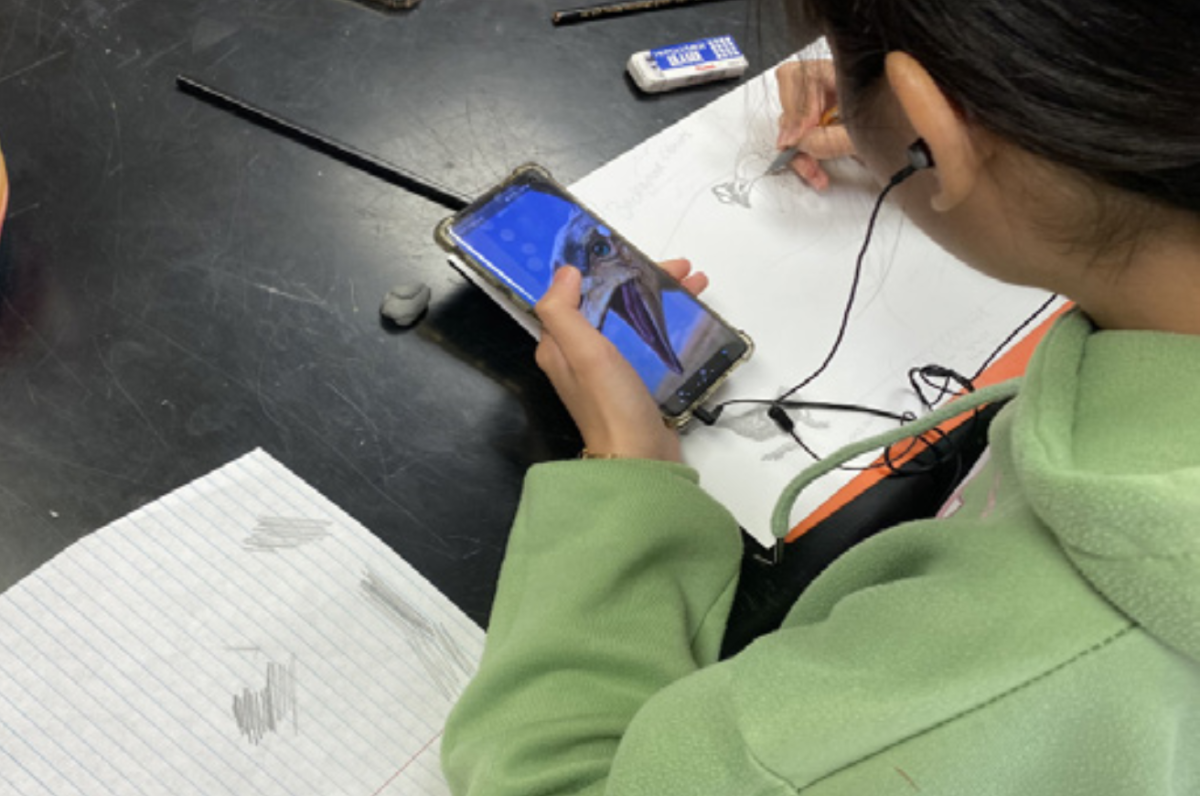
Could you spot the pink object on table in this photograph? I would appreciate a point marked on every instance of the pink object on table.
(3, 191)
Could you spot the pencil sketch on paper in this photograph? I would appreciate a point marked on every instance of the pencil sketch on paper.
(760, 113)
(268, 709)
(753, 424)
(444, 661)
(749, 137)
(756, 150)
(735, 192)
(273, 534)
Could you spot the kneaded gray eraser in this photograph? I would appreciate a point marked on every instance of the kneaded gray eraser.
(404, 304)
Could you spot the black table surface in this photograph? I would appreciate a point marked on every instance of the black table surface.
(178, 287)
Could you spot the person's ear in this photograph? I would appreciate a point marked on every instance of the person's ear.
(955, 148)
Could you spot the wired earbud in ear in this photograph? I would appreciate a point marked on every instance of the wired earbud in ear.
(919, 156)
(919, 159)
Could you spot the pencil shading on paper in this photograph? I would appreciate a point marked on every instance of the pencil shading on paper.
(754, 425)
(734, 192)
(260, 711)
(285, 533)
(443, 660)
(187, 671)
(756, 151)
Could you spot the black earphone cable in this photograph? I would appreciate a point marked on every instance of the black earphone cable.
(1013, 336)
(777, 408)
(898, 178)
(919, 158)
(777, 412)
(920, 379)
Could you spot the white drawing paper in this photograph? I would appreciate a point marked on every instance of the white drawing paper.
(781, 258)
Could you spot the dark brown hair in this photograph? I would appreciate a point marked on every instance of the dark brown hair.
(1110, 88)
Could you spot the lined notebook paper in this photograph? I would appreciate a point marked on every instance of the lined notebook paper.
(242, 636)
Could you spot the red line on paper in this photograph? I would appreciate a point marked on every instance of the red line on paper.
(404, 767)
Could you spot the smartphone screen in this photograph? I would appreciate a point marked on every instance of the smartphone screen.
(525, 230)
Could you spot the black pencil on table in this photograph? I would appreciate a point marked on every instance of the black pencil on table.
(605, 10)
(347, 154)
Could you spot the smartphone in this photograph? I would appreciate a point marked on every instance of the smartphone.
(516, 235)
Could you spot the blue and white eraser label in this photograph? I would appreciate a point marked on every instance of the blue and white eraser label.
(665, 68)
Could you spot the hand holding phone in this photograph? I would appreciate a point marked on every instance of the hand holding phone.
(514, 238)
(604, 394)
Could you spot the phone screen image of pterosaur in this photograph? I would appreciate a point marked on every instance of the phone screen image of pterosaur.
(529, 228)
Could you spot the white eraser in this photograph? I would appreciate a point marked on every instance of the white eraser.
(688, 64)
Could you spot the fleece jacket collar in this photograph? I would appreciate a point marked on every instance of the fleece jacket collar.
(1106, 443)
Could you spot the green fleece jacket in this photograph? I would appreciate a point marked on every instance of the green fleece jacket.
(1042, 639)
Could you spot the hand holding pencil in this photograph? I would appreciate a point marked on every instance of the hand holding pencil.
(810, 126)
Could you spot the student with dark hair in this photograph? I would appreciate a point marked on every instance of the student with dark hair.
(1044, 638)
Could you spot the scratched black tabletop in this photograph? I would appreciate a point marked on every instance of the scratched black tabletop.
(178, 287)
